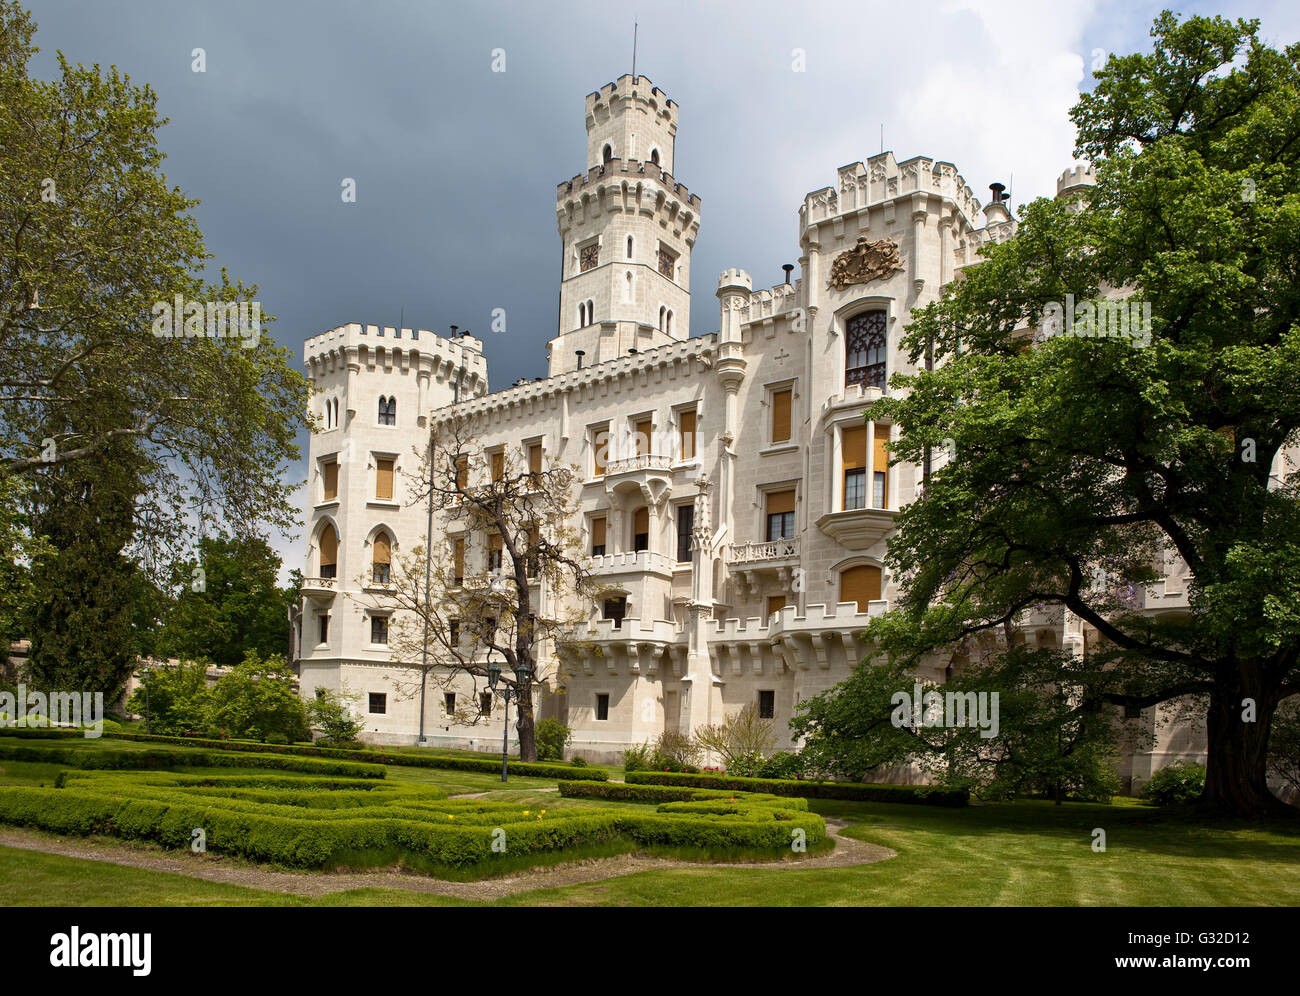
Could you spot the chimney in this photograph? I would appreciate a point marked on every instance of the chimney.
(580, 354)
(787, 267)
(998, 195)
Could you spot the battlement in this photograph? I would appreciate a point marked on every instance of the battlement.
(1075, 177)
(628, 87)
(388, 336)
(734, 278)
(699, 348)
(627, 169)
(404, 348)
(767, 302)
(881, 180)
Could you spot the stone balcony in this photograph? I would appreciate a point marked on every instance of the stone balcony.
(626, 645)
(320, 590)
(610, 565)
(858, 528)
(749, 563)
(649, 476)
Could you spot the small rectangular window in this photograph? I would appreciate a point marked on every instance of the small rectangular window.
(780, 515)
(644, 435)
(462, 472)
(775, 603)
(641, 529)
(378, 629)
(485, 703)
(331, 472)
(685, 523)
(686, 423)
(598, 536)
(458, 562)
(498, 465)
(384, 479)
(324, 621)
(880, 467)
(449, 703)
(853, 453)
(781, 415)
(602, 706)
(535, 462)
(453, 632)
(494, 552)
(378, 703)
(767, 705)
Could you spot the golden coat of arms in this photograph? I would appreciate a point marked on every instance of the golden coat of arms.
(865, 262)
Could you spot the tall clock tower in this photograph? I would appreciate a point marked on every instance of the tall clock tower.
(627, 229)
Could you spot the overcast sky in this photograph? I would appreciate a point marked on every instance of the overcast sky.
(456, 165)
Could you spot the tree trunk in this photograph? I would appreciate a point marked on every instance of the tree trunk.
(524, 724)
(1235, 777)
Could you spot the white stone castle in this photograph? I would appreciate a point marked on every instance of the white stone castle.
(750, 438)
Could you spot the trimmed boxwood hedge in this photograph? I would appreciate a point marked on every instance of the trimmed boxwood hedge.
(928, 795)
(315, 823)
(450, 763)
(624, 792)
(142, 760)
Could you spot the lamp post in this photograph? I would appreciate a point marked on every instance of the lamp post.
(145, 681)
(522, 674)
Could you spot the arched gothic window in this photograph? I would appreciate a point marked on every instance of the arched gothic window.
(654, 156)
(387, 410)
(864, 350)
(608, 154)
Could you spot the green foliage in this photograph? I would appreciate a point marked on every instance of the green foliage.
(257, 700)
(405, 759)
(1284, 745)
(925, 794)
(578, 761)
(207, 418)
(674, 751)
(310, 823)
(782, 765)
(177, 700)
(1176, 785)
(331, 713)
(627, 792)
(552, 737)
(637, 758)
(142, 760)
(22, 554)
(1078, 462)
(238, 608)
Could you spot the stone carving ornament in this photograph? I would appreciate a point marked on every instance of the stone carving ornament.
(865, 262)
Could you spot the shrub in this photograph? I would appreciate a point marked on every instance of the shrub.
(552, 737)
(1178, 784)
(674, 751)
(782, 764)
(97, 758)
(451, 763)
(578, 761)
(859, 792)
(331, 713)
(742, 740)
(636, 758)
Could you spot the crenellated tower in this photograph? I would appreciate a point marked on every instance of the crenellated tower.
(627, 229)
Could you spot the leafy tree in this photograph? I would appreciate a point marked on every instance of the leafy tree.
(552, 737)
(230, 603)
(331, 713)
(21, 559)
(92, 239)
(258, 701)
(83, 627)
(1284, 746)
(1080, 463)
(177, 701)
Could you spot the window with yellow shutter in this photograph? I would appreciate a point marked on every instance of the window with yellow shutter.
(598, 536)
(599, 450)
(880, 467)
(641, 529)
(535, 461)
(498, 465)
(458, 561)
(686, 434)
(384, 479)
(331, 481)
(860, 584)
(781, 415)
(644, 433)
(462, 472)
(775, 603)
(494, 552)
(853, 453)
(329, 552)
(382, 558)
(780, 515)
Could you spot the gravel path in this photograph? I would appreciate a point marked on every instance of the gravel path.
(215, 868)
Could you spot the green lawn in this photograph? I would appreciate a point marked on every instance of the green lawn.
(1026, 853)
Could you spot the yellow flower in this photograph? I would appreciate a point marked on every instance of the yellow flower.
(525, 812)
